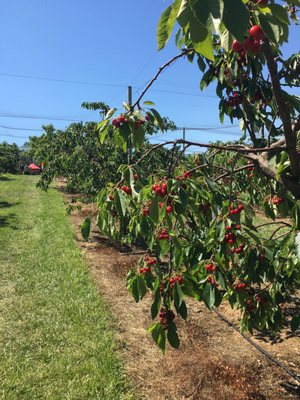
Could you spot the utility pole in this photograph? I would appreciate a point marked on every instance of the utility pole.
(129, 143)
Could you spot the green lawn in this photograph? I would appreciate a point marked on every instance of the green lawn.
(56, 335)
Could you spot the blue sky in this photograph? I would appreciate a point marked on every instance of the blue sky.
(110, 44)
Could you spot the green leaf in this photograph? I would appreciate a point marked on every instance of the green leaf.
(226, 38)
(200, 9)
(148, 103)
(172, 335)
(155, 307)
(209, 296)
(236, 18)
(280, 13)
(183, 15)
(124, 131)
(133, 288)
(142, 288)
(158, 118)
(183, 197)
(178, 296)
(221, 280)
(120, 202)
(103, 132)
(159, 335)
(297, 244)
(295, 323)
(205, 47)
(270, 28)
(201, 64)
(110, 113)
(205, 80)
(138, 135)
(154, 210)
(216, 8)
(166, 23)
(182, 310)
(86, 228)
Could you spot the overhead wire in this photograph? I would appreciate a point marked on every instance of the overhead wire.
(62, 80)
(20, 129)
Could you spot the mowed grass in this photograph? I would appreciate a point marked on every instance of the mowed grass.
(56, 335)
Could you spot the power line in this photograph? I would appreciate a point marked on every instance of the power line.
(142, 69)
(25, 116)
(183, 93)
(209, 128)
(61, 80)
(14, 136)
(20, 129)
(106, 84)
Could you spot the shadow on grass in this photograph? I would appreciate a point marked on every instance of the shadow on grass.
(8, 221)
(6, 204)
(6, 179)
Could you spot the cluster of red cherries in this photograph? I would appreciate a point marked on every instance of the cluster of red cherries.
(250, 171)
(177, 278)
(184, 176)
(119, 121)
(251, 44)
(126, 189)
(230, 238)
(148, 261)
(276, 200)
(165, 317)
(240, 285)
(234, 100)
(210, 267)
(163, 235)
(236, 210)
(161, 189)
(169, 208)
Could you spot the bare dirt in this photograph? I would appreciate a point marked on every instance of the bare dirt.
(213, 363)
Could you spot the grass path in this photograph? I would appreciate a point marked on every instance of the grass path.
(56, 339)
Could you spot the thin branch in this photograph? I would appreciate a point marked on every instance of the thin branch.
(276, 230)
(152, 149)
(273, 223)
(233, 171)
(183, 53)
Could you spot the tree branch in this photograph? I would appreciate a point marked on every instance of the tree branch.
(183, 53)
(233, 171)
(283, 111)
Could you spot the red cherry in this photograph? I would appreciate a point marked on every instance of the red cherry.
(236, 46)
(248, 44)
(169, 209)
(136, 177)
(256, 32)
(151, 262)
(145, 211)
(164, 187)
